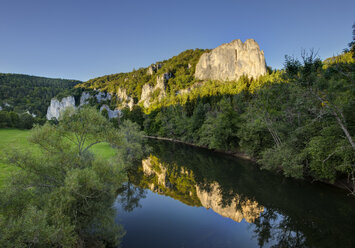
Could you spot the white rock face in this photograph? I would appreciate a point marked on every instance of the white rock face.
(126, 101)
(230, 61)
(101, 96)
(111, 113)
(84, 99)
(57, 107)
(148, 90)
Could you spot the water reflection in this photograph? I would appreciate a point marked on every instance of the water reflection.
(129, 197)
(281, 212)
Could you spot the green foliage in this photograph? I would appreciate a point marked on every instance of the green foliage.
(182, 67)
(130, 149)
(11, 119)
(298, 121)
(63, 195)
(21, 93)
(219, 130)
(179, 183)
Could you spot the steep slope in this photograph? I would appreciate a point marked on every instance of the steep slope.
(231, 61)
(167, 82)
(168, 76)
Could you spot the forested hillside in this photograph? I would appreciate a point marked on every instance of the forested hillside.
(21, 93)
(298, 121)
(180, 67)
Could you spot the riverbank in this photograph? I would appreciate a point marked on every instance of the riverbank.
(342, 184)
(234, 154)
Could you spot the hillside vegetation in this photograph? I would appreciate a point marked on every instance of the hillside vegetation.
(21, 93)
(182, 68)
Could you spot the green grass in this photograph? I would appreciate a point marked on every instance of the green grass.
(11, 139)
(18, 139)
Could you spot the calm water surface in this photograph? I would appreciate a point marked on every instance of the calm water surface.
(181, 196)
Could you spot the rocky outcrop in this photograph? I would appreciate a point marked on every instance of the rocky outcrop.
(154, 68)
(237, 210)
(102, 96)
(126, 101)
(230, 61)
(84, 99)
(148, 90)
(57, 107)
(111, 113)
(151, 70)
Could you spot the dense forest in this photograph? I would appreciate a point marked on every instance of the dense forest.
(298, 121)
(22, 93)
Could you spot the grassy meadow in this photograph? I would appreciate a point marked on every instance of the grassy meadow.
(18, 139)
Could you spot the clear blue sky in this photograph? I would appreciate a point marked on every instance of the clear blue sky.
(82, 39)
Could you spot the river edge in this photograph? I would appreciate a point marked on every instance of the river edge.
(344, 185)
(234, 154)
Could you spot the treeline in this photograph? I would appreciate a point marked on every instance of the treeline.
(22, 93)
(11, 119)
(301, 125)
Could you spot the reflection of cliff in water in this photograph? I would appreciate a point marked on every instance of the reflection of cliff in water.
(179, 182)
(290, 213)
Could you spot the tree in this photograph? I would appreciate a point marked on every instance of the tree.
(63, 195)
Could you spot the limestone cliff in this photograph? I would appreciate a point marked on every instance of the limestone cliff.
(126, 101)
(148, 91)
(84, 99)
(56, 106)
(230, 61)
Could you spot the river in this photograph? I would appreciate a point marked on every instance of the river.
(182, 196)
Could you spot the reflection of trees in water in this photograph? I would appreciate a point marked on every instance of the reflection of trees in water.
(297, 214)
(129, 196)
(271, 227)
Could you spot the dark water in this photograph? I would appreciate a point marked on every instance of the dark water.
(182, 196)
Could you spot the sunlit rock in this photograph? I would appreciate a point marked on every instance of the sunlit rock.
(230, 61)
(148, 90)
(126, 101)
